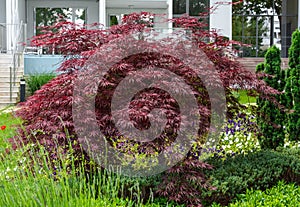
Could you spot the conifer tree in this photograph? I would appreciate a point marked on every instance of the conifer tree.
(270, 118)
(292, 88)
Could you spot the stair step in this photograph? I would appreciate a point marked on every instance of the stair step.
(6, 99)
(7, 70)
(7, 93)
(7, 80)
(7, 84)
(4, 105)
(251, 63)
(6, 65)
(6, 61)
(14, 88)
(7, 74)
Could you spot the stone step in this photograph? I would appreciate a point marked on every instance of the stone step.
(7, 79)
(4, 105)
(6, 65)
(14, 88)
(6, 99)
(7, 74)
(251, 63)
(7, 84)
(14, 94)
(6, 60)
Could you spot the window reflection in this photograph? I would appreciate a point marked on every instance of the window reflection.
(195, 7)
(48, 16)
(179, 6)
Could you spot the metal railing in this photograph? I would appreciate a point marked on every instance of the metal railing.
(12, 41)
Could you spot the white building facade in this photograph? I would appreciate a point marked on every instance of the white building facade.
(18, 17)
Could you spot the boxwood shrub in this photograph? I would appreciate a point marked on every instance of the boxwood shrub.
(258, 171)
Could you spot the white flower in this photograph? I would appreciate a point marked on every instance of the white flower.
(249, 136)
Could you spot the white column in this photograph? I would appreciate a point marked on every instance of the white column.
(102, 12)
(221, 18)
(170, 13)
(13, 24)
(9, 21)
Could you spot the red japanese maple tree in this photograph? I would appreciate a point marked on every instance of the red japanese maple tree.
(49, 111)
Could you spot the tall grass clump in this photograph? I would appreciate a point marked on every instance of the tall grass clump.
(36, 81)
(30, 176)
(28, 179)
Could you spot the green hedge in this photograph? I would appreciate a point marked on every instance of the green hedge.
(259, 171)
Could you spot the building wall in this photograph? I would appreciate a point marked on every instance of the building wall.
(292, 9)
(221, 18)
(2, 11)
(289, 23)
(22, 10)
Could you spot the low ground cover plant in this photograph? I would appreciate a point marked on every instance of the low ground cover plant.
(281, 195)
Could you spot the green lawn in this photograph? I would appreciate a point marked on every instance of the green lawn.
(244, 98)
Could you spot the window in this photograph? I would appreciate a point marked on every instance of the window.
(193, 8)
(48, 16)
(113, 20)
(179, 7)
(190, 7)
(198, 6)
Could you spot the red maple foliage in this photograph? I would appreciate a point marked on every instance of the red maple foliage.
(49, 111)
